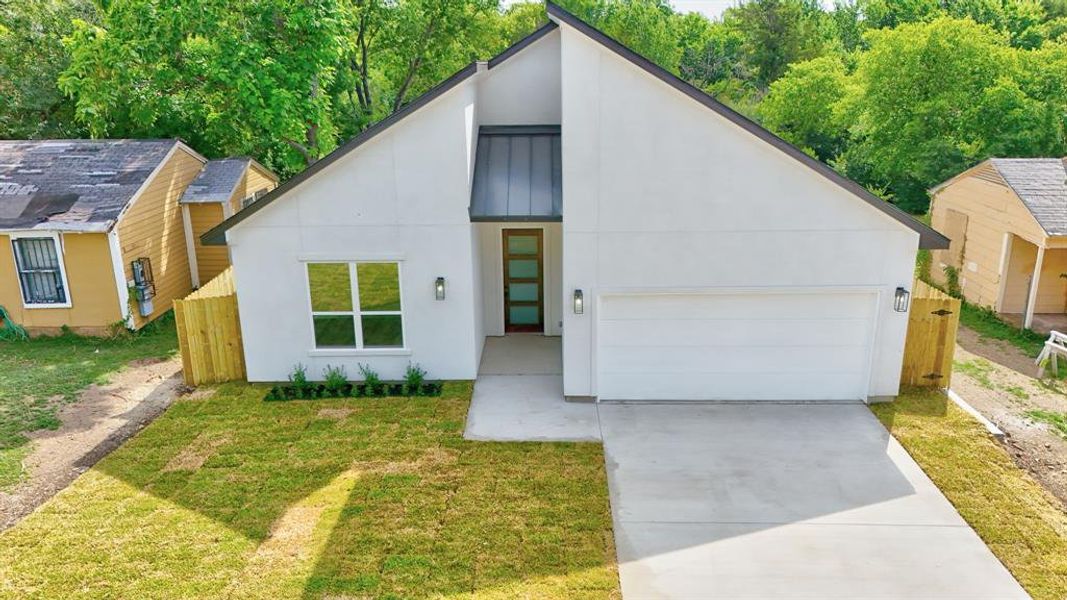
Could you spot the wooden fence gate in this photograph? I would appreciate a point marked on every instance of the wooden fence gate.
(209, 333)
(931, 342)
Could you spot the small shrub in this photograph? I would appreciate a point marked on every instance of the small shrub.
(414, 378)
(335, 380)
(299, 379)
(275, 393)
(371, 380)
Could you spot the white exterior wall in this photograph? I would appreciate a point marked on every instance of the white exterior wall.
(523, 90)
(401, 196)
(661, 193)
(490, 240)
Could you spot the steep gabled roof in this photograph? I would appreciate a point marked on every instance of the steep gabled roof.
(1041, 183)
(76, 185)
(928, 238)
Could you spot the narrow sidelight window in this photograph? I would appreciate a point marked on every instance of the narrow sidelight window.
(40, 272)
(356, 305)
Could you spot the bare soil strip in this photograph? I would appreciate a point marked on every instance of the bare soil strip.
(100, 420)
(999, 381)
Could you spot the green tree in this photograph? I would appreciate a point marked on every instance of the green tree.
(244, 77)
(930, 99)
(396, 50)
(800, 106)
(31, 57)
(777, 33)
(1020, 19)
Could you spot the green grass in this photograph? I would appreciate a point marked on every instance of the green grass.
(38, 375)
(1021, 523)
(978, 369)
(231, 496)
(986, 323)
(1056, 420)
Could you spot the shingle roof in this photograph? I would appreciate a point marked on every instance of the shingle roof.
(78, 185)
(217, 181)
(518, 174)
(1041, 183)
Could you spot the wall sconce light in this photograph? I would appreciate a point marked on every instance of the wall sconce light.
(439, 288)
(579, 302)
(900, 300)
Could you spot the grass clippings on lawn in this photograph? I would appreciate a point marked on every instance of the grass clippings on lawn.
(38, 375)
(387, 502)
(1020, 522)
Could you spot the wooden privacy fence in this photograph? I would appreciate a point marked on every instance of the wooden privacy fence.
(209, 332)
(931, 342)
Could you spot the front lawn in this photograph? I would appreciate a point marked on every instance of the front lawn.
(37, 375)
(231, 496)
(1021, 523)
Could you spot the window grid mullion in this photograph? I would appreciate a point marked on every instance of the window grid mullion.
(357, 315)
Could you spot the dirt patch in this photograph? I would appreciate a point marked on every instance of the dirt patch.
(339, 414)
(998, 380)
(194, 455)
(100, 420)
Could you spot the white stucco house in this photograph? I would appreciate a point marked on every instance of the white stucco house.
(569, 187)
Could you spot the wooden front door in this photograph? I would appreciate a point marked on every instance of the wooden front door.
(524, 280)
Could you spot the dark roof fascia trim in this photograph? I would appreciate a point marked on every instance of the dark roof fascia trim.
(519, 130)
(928, 237)
(521, 45)
(517, 219)
(216, 236)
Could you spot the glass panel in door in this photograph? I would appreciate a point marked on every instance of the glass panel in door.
(523, 280)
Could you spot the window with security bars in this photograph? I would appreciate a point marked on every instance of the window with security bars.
(40, 274)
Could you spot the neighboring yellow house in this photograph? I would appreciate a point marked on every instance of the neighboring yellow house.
(223, 188)
(92, 233)
(1007, 219)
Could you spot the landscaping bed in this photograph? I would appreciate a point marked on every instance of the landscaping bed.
(230, 496)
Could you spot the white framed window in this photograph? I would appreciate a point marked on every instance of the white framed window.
(355, 305)
(39, 267)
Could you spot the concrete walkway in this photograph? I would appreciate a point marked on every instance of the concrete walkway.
(519, 395)
(782, 501)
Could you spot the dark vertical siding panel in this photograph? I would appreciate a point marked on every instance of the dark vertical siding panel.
(541, 176)
(519, 177)
(499, 158)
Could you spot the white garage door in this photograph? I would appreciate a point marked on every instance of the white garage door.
(753, 346)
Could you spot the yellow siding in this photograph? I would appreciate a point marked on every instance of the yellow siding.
(254, 180)
(94, 298)
(152, 227)
(210, 260)
(1052, 289)
(992, 210)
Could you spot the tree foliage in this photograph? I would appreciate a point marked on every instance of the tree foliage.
(801, 106)
(31, 58)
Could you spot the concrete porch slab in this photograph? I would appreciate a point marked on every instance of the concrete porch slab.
(522, 354)
(528, 408)
(1043, 322)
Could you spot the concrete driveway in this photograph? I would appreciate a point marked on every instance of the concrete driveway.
(782, 501)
